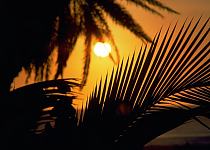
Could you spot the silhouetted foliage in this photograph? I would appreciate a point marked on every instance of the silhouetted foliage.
(147, 96)
(30, 31)
(154, 93)
(38, 108)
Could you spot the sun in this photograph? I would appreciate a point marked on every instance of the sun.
(102, 49)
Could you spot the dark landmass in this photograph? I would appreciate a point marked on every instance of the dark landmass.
(178, 147)
(181, 143)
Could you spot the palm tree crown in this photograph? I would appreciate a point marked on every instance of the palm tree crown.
(91, 22)
(35, 34)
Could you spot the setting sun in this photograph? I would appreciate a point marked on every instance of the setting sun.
(102, 49)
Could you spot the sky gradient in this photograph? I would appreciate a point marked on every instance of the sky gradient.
(127, 42)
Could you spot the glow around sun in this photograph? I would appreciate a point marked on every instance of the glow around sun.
(102, 49)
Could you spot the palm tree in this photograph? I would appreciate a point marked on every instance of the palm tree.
(145, 97)
(27, 107)
(32, 31)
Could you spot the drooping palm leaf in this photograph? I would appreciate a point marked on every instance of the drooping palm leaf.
(153, 93)
(30, 102)
(57, 26)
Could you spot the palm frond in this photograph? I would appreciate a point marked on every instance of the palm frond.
(145, 6)
(87, 58)
(160, 5)
(58, 27)
(152, 88)
(105, 29)
(69, 31)
(33, 101)
(121, 16)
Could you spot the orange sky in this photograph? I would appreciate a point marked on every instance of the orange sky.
(127, 42)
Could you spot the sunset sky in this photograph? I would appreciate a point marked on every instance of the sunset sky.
(127, 42)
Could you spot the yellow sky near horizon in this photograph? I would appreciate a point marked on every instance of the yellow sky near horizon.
(127, 42)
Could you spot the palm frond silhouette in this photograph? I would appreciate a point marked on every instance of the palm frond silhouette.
(146, 96)
(87, 18)
(35, 35)
(155, 92)
(29, 108)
